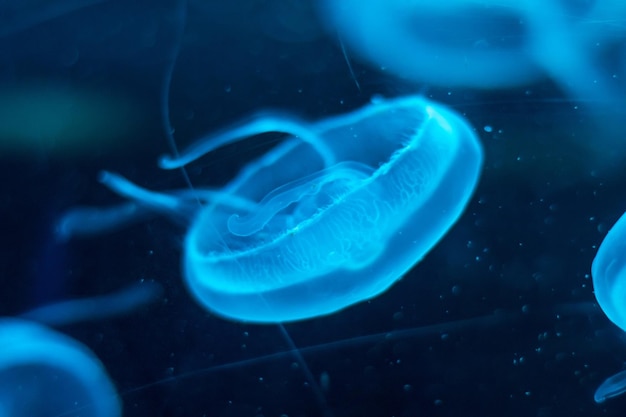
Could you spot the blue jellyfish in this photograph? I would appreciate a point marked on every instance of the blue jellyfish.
(612, 387)
(493, 44)
(332, 216)
(609, 274)
(44, 373)
(609, 284)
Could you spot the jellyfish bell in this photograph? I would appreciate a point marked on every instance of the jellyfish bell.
(609, 274)
(45, 373)
(609, 283)
(413, 41)
(494, 45)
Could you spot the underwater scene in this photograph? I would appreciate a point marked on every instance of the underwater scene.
(301, 208)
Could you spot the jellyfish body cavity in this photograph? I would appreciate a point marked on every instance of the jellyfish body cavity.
(608, 272)
(45, 373)
(333, 215)
(301, 194)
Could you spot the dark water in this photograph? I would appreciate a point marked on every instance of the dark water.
(507, 293)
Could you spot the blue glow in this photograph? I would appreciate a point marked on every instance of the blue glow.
(44, 373)
(612, 387)
(322, 235)
(63, 313)
(483, 44)
(609, 275)
(343, 176)
(609, 284)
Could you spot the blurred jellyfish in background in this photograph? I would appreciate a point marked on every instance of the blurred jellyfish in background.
(44, 373)
(579, 46)
(485, 44)
(609, 283)
(609, 274)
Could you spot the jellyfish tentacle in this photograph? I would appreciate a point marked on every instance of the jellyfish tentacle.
(90, 221)
(175, 203)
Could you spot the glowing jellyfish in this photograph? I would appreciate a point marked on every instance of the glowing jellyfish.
(44, 373)
(612, 387)
(609, 283)
(609, 274)
(332, 216)
(493, 44)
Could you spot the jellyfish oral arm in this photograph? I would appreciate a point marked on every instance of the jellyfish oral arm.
(262, 123)
(293, 192)
(64, 313)
(89, 221)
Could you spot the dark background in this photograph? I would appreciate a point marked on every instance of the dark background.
(507, 293)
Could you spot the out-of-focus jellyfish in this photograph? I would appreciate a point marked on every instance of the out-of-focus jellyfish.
(612, 387)
(609, 283)
(44, 373)
(609, 274)
(332, 216)
(490, 44)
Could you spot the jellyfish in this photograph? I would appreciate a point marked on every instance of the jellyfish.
(332, 216)
(45, 373)
(609, 275)
(609, 284)
(612, 387)
(493, 44)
